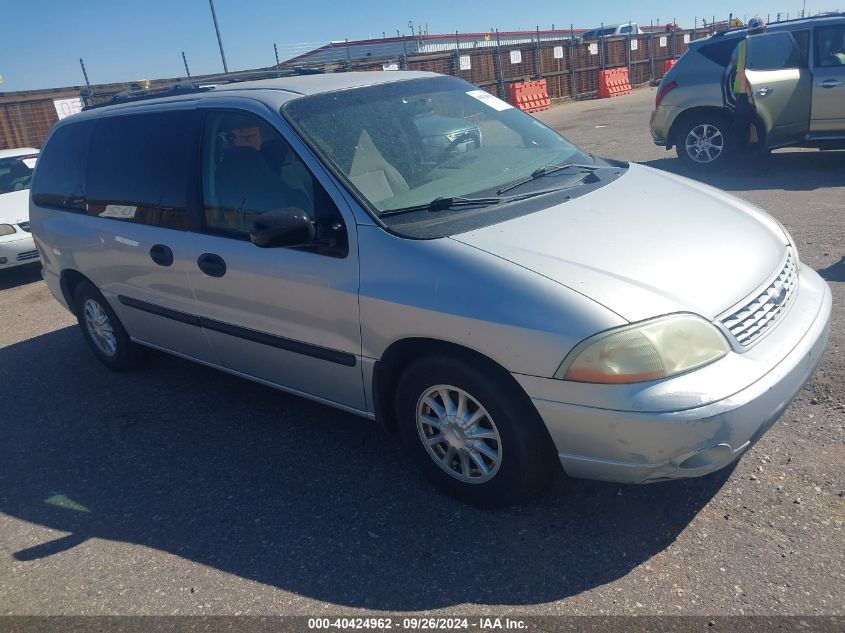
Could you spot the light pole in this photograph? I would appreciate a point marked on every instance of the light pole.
(219, 39)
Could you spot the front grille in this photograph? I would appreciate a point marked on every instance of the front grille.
(751, 320)
(26, 255)
(24, 226)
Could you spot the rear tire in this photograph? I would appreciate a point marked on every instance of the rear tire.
(486, 446)
(103, 331)
(704, 143)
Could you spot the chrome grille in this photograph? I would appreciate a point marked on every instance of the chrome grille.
(750, 321)
(26, 255)
(24, 226)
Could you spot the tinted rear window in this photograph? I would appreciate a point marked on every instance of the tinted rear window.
(59, 178)
(719, 52)
(139, 167)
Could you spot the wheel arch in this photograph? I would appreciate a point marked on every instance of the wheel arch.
(691, 113)
(402, 353)
(69, 280)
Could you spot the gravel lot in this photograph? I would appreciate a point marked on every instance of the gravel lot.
(177, 489)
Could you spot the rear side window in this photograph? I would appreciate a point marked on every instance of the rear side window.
(719, 52)
(59, 179)
(773, 51)
(139, 168)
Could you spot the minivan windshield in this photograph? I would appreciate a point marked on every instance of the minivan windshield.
(407, 143)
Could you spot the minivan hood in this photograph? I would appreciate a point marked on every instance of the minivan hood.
(14, 207)
(646, 244)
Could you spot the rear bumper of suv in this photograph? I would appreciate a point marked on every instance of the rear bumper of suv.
(662, 119)
(640, 447)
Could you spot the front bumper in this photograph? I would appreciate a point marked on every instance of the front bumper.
(18, 251)
(639, 447)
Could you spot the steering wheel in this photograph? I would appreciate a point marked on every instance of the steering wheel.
(447, 151)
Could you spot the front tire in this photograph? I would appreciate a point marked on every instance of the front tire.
(472, 433)
(703, 142)
(103, 331)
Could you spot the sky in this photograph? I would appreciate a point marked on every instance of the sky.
(41, 41)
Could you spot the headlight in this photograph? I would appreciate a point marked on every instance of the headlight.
(6, 229)
(650, 350)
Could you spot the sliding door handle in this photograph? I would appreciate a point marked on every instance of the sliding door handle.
(212, 265)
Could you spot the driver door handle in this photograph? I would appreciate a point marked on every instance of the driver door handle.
(211, 264)
(829, 83)
(764, 91)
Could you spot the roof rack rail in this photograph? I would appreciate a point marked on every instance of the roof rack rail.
(200, 84)
(142, 94)
(820, 16)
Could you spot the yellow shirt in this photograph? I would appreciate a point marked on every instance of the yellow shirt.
(740, 85)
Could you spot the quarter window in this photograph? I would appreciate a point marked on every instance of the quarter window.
(720, 51)
(139, 168)
(59, 180)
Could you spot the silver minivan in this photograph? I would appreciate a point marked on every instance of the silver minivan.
(507, 302)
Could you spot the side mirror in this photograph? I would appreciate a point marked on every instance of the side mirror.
(285, 227)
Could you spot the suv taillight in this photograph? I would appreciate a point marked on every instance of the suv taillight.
(663, 92)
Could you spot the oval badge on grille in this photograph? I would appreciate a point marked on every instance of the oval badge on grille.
(779, 296)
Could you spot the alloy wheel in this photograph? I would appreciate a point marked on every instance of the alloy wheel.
(459, 434)
(99, 327)
(704, 143)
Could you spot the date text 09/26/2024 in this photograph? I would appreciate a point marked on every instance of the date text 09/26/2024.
(417, 623)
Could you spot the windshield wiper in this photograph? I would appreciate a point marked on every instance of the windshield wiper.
(442, 204)
(545, 171)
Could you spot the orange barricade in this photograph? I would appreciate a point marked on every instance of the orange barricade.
(613, 82)
(668, 64)
(529, 96)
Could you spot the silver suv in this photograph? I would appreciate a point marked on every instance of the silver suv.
(509, 306)
(796, 71)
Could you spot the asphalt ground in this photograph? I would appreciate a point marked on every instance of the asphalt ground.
(177, 489)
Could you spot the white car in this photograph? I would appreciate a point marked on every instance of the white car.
(16, 245)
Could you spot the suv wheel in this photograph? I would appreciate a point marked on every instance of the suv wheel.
(471, 434)
(703, 142)
(103, 331)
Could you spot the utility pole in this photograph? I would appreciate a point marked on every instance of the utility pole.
(90, 95)
(219, 39)
(185, 59)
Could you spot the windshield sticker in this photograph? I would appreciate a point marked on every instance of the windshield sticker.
(488, 99)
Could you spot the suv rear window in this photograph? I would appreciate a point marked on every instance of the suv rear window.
(138, 167)
(773, 51)
(719, 52)
(59, 179)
